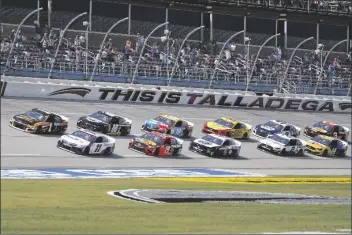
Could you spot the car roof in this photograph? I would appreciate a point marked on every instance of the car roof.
(279, 122)
(158, 134)
(41, 110)
(327, 137)
(233, 121)
(328, 123)
(89, 132)
(285, 136)
(219, 137)
(173, 118)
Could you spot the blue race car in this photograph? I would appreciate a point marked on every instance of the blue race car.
(276, 127)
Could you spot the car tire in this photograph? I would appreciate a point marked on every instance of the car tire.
(300, 152)
(109, 151)
(86, 150)
(325, 153)
(212, 153)
(185, 133)
(39, 130)
(245, 136)
(176, 152)
(234, 154)
(59, 144)
(124, 132)
(156, 153)
(283, 152)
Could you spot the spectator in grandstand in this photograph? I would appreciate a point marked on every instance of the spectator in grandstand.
(108, 45)
(127, 50)
(276, 56)
(139, 42)
(44, 42)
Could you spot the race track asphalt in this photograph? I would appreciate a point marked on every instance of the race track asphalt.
(22, 150)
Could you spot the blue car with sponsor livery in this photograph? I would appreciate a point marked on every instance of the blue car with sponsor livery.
(170, 125)
(276, 127)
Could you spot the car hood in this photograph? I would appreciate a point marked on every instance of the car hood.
(154, 124)
(206, 143)
(317, 129)
(145, 141)
(272, 143)
(75, 140)
(26, 119)
(315, 144)
(216, 126)
(268, 129)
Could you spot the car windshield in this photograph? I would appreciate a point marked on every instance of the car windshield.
(36, 115)
(279, 139)
(322, 141)
(212, 139)
(164, 120)
(273, 125)
(224, 123)
(154, 138)
(84, 135)
(323, 126)
(102, 117)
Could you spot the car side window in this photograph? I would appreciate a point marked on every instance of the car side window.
(286, 128)
(99, 140)
(237, 126)
(299, 143)
(167, 141)
(334, 144)
(57, 119)
(121, 120)
(105, 140)
(226, 143)
(178, 124)
(174, 142)
(292, 142)
(341, 129)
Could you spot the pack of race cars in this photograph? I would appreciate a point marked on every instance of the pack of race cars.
(163, 135)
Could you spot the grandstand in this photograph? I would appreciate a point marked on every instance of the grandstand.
(33, 53)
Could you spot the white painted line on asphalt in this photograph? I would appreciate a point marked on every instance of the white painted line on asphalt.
(19, 154)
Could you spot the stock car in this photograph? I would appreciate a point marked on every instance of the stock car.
(86, 142)
(170, 125)
(156, 144)
(106, 123)
(328, 129)
(228, 127)
(282, 145)
(216, 146)
(326, 146)
(38, 121)
(276, 127)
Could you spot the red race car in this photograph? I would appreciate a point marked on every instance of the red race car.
(156, 144)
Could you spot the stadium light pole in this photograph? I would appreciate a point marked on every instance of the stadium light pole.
(16, 35)
(86, 23)
(220, 53)
(60, 39)
(179, 51)
(322, 66)
(256, 58)
(289, 61)
(103, 43)
(141, 53)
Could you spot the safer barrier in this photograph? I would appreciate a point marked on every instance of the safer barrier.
(97, 92)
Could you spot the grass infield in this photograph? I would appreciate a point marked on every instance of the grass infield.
(83, 206)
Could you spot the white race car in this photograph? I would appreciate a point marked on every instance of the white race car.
(86, 142)
(282, 144)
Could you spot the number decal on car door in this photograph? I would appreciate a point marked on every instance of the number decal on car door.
(97, 149)
(115, 128)
(167, 149)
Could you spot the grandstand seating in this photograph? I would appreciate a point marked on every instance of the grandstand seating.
(302, 75)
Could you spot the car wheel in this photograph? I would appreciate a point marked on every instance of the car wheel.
(176, 152)
(124, 132)
(325, 153)
(283, 152)
(342, 154)
(300, 152)
(233, 154)
(39, 130)
(109, 151)
(212, 153)
(86, 150)
(185, 133)
(156, 153)
(59, 144)
(245, 136)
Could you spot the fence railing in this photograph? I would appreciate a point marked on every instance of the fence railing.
(294, 83)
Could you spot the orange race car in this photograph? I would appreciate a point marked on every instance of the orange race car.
(39, 121)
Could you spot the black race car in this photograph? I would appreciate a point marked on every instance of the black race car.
(216, 146)
(106, 123)
(328, 129)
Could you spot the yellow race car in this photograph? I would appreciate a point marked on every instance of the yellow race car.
(228, 127)
(326, 146)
